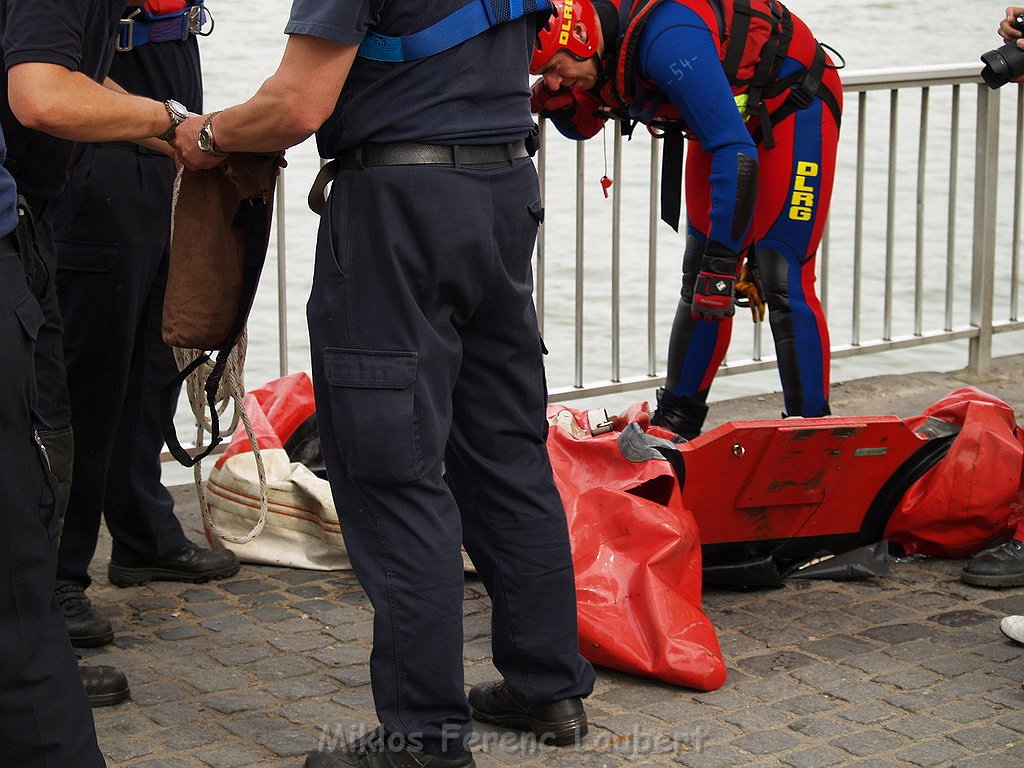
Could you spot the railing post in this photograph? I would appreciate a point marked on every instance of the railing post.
(282, 282)
(986, 162)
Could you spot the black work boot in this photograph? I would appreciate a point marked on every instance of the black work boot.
(557, 722)
(86, 628)
(105, 686)
(683, 415)
(379, 750)
(194, 564)
(998, 567)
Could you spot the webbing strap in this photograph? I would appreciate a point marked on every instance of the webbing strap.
(470, 20)
(144, 27)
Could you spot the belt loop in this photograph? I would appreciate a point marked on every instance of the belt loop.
(510, 151)
(359, 157)
(456, 155)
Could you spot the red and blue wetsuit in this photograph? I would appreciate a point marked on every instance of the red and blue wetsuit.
(671, 70)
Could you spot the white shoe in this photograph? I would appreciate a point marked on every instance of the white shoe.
(1013, 628)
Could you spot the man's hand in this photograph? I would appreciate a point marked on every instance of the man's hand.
(550, 103)
(186, 146)
(716, 284)
(1006, 29)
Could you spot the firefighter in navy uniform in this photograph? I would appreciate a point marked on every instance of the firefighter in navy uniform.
(112, 240)
(760, 100)
(55, 93)
(427, 361)
(44, 714)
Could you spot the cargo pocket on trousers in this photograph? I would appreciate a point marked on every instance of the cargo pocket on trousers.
(372, 406)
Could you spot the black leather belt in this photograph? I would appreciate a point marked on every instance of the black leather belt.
(8, 250)
(411, 153)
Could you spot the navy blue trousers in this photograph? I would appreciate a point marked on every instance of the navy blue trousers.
(45, 719)
(112, 236)
(428, 371)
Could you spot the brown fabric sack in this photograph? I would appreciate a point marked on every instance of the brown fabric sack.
(220, 229)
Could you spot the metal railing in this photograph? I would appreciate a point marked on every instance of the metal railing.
(914, 242)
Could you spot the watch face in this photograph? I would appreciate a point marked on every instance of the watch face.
(177, 110)
(205, 139)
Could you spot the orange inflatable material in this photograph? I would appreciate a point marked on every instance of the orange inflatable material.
(973, 498)
(636, 552)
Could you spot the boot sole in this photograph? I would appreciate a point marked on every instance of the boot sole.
(92, 641)
(993, 582)
(560, 734)
(108, 699)
(121, 576)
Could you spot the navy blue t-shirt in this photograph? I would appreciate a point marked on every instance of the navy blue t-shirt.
(474, 93)
(77, 34)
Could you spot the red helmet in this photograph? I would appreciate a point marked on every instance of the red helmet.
(558, 34)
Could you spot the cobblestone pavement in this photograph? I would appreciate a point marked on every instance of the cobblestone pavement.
(905, 670)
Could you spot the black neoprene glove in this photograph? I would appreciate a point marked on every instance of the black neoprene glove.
(716, 284)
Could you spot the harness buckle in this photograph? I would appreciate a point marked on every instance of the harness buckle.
(126, 36)
(805, 92)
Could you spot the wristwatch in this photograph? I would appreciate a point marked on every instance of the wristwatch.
(178, 115)
(205, 140)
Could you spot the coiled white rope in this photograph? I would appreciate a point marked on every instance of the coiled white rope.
(230, 390)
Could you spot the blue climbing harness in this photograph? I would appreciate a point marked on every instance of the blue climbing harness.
(154, 23)
(457, 27)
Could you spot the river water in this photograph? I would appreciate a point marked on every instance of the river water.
(246, 47)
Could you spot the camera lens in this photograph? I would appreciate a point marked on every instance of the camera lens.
(1002, 65)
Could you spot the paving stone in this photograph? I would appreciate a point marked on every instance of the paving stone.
(838, 647)
(774, 663)
(166, 762)
(123, 750)
(341, 655)
(982, 761)
(963, 618)
(353, 676)
(867, 743)
(914, 701)
(281, 666)
(766, 742)
(230, 756)
(268, 614)
(240, 656)
(982, 738)
(155, 693)
(868, 714)
(246, 586)
(909, 679)
(210, 680)
(758, 718)
(299, 643)
(819, 757)
(965, 711)
(288, 742)
(292, 689)
(179, 632)
(820, 727)
(200, 595)
(809, 704)
(894, 634)
(188, 736)
(931, 752)
(237, 701)
(291, 626)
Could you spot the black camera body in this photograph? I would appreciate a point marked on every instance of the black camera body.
(1006, 63)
